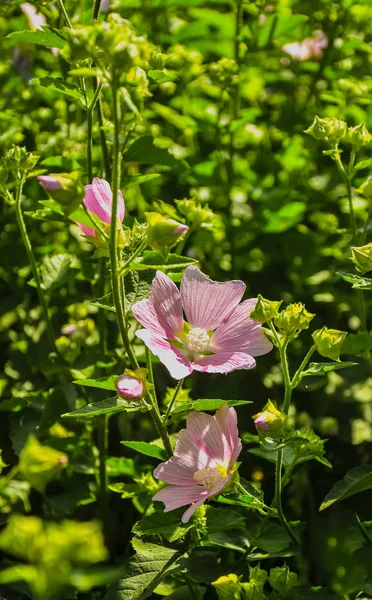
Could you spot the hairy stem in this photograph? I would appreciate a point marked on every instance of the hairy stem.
(171, 403)
(31, 258)
(103, 449)
(154, 410)
(278, 496)
(63, 10)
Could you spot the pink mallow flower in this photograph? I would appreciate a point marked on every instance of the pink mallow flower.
(203, 461)
(217, 337)
(311, 47)
(98, 200)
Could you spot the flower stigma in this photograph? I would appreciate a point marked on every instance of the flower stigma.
(197, 340)
(210, 476)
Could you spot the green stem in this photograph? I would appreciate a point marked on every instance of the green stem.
(150, 374)
(101, 311)
(363, 530)
(238, 28)
(278, 496)
(63, 9)
(298, 375)
(241, 488)
(346, 178)
(31, 258)
(97, 6)
(154, 410)
(138, 251)
(286, 377)
(171, 403)
(115, 278)
(102, 449)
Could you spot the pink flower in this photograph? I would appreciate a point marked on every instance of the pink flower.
(203, 461)
(49, 183)
(98, 200)
(217, 338)
(129, 387)
(308, 48)
(35, 20)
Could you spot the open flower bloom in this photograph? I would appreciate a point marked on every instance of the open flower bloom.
(203, 461)
(217, 337)
(98, 200)
(309, 48)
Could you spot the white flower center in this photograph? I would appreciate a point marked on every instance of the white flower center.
(197, 340)
(210, 476)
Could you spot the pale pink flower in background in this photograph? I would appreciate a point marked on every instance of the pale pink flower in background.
(308, 48)
(129, 387)
(105, 5)
(98, 200)
(217, 338)
(35, 20)
(203, 460)
(49, 182)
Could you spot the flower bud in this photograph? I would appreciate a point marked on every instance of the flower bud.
(270, 421)
(362, 258)
(265, 310)
(64, 188)
(359, 135)
(366, 188)
(329, 342)
(163, 233)
(328, 129)
(132, 384)
(18, 159)
(228, 587)
(294, 319)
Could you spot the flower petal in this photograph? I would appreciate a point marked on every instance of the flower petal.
(206, 434)
(98, 200)
(162, 312)
(87, 230)
(240, 334)
(174, 472)
(228, 422)
(208, 303)
(224, 362)
(190, 511)
(177, 365)
(188, 454)
(175, 496)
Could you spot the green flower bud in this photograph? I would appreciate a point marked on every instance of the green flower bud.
(265, 310)
(359, 135)
(329, 342)
(18, 159)
(40, 464)
(64, 188)
(163, 233)
(328, 129)
(362, 258)
(294, 319)
(270, 422)
(228, 587)
(366, 188)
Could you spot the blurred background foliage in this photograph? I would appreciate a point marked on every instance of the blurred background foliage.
(218, 127)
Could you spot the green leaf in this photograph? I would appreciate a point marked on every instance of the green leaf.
(19, 572)
(278, 26)
(161, 76)
(86, 579)
(357, 343)
(145, 571)
(59, 85)
(286, 217)
(223, 519)
(53, 38)
(207, 404)
(282, 580)
(147, 449)
(359, 283)
(106, 302)
(102, 383)
(134, 180)
(363, 164)
(167, 525)
(105, 407)
(152, 259)
(356, 480)
(144, 150)
(323, 368)
(54, 270)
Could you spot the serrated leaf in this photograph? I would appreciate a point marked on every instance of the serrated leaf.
(223, 519)
(59, 85)
(46, 36)
(207, 404)
(167, 525)
(54, 269)
(357, 343)
(356, 480)
(359, 283)
(152, 259)
(102, 383)
(323, 368)
(144, 573)
(106, 302)
(134, 180)
(147, 449)
(105, 407)
(144, 150)
(137, 287)
(363, 164)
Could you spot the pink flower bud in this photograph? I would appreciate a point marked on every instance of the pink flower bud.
(180, 229)
(49, 183)
(262, 421)
(129, 387)
(98, 201)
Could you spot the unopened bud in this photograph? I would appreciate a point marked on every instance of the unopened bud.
(163, 233)
(328, 129)
(64, 188)
(270, 421)
(18, 159)
(265, 310)
(366, 188)
(359, 135)
(132, 384)
(294, 319)
(329, 342)
(362, 258)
